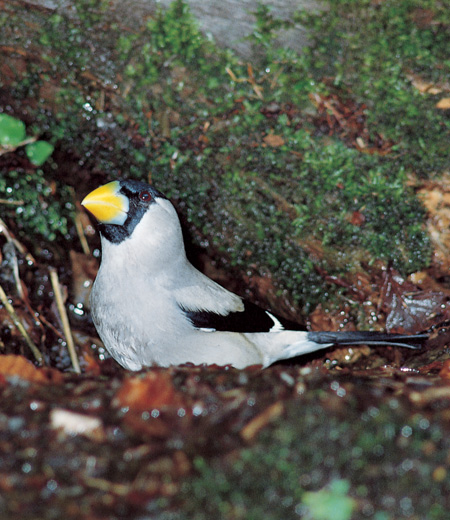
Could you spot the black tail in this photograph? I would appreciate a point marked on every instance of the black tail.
(368, 338)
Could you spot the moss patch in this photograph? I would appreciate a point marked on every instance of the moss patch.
(374, 461)
(292, 163)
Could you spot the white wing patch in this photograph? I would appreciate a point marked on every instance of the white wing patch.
(277, 326)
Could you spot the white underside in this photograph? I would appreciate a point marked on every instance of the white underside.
(165, 337)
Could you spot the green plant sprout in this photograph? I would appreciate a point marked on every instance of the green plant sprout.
(13, 135)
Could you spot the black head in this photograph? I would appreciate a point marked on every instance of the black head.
(119, 206)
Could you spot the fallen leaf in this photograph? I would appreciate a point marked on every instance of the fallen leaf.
(19, 366)
(423, 85)
(273, 140)
(424, 18)
(72, 423)
(251, 430)
(357, 218)
(444, 373)
(324, 319)
(153, 428)
(349, 355)
(430, 396)
(426, 282)
(409, 308)
(92, 366)
(431, 368)
(443, 104)
(348, 119)
(154, 390)
(436, 199)
(439, 474)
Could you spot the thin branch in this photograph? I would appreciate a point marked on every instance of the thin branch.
(81, 235)
(10, 309)
(11, 243)
(64, 319)
(11, 148)
(12, 202)
(79, 224)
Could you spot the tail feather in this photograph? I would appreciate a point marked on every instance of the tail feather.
(348, 338)
(287, 344)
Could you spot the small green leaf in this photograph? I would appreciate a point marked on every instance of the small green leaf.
(12, 131)
(330, 503)
(39, 152)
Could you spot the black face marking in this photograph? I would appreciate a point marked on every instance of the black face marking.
(141, 195)
(251, 319)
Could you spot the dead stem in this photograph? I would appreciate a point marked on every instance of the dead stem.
(12, 202)
(81, 236)
(79, 225)
(64, 319)
(11, 246)
(10, 309)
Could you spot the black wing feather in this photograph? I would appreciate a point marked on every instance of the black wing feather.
(251, 319)
(255, 319)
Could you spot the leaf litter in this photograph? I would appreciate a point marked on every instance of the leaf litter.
(118, 442)
(107, 442)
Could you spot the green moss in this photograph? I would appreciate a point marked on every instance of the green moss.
(26, 194)
(30, 199)
(166, 100)
(374, 51)
(172, 36)
(365, 462)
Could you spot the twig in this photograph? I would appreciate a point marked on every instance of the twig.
(81, 235)
(107, 486)
(10, 148)
(10, 309)
(4, 230)
(19, 246)
(10, 250)
(257, 89)
(64, 319)
(79, 225)
(12, 202)
(282, 203)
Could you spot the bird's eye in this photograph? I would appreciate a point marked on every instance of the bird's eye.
(145, 196)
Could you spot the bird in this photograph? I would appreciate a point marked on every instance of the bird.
(151, 306)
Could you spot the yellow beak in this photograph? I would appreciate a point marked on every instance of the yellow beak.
(108, 205)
